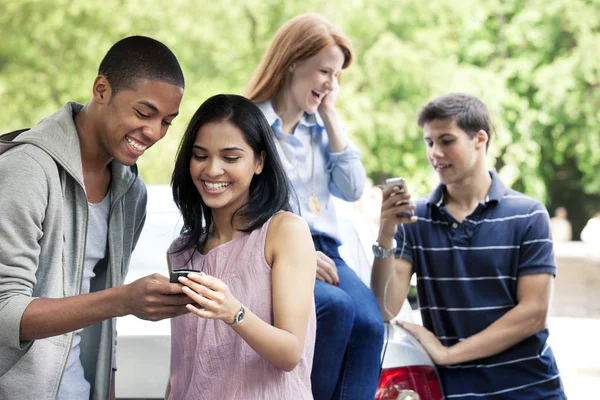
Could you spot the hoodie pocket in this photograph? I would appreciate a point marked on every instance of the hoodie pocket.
(34, 373)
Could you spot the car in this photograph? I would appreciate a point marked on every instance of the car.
(143, 357)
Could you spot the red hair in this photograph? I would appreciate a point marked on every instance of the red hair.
(299, 38)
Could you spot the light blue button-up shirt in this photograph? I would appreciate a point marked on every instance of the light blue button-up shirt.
(338, 174)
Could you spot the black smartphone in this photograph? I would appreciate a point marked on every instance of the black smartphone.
(176, 273)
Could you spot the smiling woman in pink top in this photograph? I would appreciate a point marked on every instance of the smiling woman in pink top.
(251, 333)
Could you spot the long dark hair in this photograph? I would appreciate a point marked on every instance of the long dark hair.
(270, 191)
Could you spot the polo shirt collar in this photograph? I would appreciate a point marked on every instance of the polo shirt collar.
(497, 191)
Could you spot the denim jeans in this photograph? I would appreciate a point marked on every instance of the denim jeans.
(349, 334)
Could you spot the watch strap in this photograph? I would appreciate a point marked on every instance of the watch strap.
(382, 252)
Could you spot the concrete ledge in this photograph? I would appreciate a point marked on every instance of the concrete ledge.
(577, 284)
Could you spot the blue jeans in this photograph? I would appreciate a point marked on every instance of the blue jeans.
(349, 334)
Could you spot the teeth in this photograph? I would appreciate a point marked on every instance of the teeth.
(216, 186)
(135, 145)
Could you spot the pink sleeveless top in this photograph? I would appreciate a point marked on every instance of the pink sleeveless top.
(208, 358)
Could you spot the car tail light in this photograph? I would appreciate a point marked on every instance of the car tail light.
(409, 383)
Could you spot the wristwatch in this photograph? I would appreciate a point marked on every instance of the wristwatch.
(381, 252)
(239, 317)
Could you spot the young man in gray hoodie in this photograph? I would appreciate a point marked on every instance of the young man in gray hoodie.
(73, 207)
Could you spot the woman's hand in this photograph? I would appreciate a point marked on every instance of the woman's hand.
(213, 297)
(328, 103)
(326, 269)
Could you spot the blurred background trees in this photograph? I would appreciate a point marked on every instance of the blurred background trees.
(535, 63)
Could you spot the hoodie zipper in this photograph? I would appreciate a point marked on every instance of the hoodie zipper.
(82, 262)
(79, 280)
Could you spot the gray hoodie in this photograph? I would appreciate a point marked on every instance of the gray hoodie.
(43, 225)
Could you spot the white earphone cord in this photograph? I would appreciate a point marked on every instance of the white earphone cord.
(392, 272)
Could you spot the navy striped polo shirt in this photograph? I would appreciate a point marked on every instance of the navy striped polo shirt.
(467, 278)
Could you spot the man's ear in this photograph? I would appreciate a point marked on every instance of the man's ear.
(260, 164)
(481, 138)
(101, 91)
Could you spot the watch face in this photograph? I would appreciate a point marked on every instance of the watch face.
(240, 315)
(377, 250)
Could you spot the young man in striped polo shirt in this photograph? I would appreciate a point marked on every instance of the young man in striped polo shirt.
(484, 263)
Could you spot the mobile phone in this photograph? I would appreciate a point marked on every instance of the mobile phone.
(176, 273)
(401, 184)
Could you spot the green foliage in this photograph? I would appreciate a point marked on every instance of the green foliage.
(533, 62)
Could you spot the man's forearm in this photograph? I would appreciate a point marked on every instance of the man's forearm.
(390, 299)
(50, 317)
(515, 326)
(389, 285)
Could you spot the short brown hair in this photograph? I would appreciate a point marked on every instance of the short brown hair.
(470, 114)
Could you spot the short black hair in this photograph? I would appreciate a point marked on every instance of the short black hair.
(270, 191)
(470, 114)
(136, 58)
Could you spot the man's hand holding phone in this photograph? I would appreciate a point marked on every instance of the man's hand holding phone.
(153, 298)
(396, 207)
